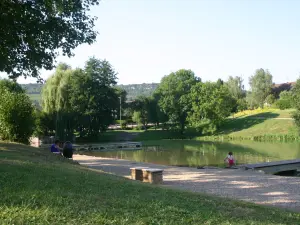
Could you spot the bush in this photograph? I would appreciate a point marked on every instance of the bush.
(283, 104)
(285, 101)
(270, 99)
(241, 104)
(16, 115)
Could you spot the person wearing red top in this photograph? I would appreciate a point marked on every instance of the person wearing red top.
(230, 159)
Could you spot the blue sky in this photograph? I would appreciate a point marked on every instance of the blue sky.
(147, 39)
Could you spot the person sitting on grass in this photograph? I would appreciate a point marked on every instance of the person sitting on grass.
(68, 150)
(55, 147)
(230, 159)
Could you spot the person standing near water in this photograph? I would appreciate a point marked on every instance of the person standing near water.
(230, 159)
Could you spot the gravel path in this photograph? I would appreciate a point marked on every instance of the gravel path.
(238, 184)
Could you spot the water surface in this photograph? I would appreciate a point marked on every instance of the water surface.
(198, 153)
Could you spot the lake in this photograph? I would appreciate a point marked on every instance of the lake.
(199, 153)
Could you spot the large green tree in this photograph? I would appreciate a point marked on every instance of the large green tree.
(56, 99)
(83, 99)
(174, 91)
(33, 32)
(98, 95)
(16, 113)
(236, 87)
(211, 104)
(261, 85)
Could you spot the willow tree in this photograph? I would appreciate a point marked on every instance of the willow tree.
(82, 99)
(56, 96)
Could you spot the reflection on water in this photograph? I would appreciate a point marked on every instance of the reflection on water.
(196, 153)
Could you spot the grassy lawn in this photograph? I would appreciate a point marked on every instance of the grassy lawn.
(267, 113)
(260, 122)
(37, 187)
(246, 126)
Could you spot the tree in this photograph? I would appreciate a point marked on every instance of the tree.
(34, 32)
(236, 87)
(56, 99)
(138, 118)
(296, 101)
(85, 100)
(16, 113)
(174, 91)
(98, 95)
(261, 85)
(285, 100)
(45, 123)
(142, 108)
(270, 99)
(211, 104)
(220, 82)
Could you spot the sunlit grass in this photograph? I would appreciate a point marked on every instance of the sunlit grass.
(37, 187)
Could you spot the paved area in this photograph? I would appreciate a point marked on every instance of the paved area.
(237, 184)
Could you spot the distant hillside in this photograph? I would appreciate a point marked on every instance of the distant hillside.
(133, 90)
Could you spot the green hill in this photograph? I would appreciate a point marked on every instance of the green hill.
(133, 90)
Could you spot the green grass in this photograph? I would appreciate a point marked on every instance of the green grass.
(37, 187)
(252, 127)
(262, 125)
(267, 112)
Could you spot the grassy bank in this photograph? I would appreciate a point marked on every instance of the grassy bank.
(258, 125)
(37, 187)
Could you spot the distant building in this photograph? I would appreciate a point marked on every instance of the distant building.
(277, 88)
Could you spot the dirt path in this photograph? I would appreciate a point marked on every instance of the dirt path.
(238, 184)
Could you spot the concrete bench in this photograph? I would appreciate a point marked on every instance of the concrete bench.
(137, 173)
(153, 176)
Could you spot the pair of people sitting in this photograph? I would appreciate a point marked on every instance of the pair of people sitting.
(67, 150)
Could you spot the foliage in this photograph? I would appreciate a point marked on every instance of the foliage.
(16, 113)
(84, 100)
(174, 91)
(138, 118)
(235, 87)
(270, 99)
(285, 100)
(251, 102)
(296, 101)
(241, 104)
(261, 84)
(56, 100)
(211, 104)
(45, 123)
(34, 32)
(141, 108)
(278, 88)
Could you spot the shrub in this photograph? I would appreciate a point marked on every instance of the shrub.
(285, 101)
(283, 104)
(270, 99)
(16, 116)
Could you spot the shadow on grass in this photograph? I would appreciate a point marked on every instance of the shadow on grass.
(55, 192)
(242, 123)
